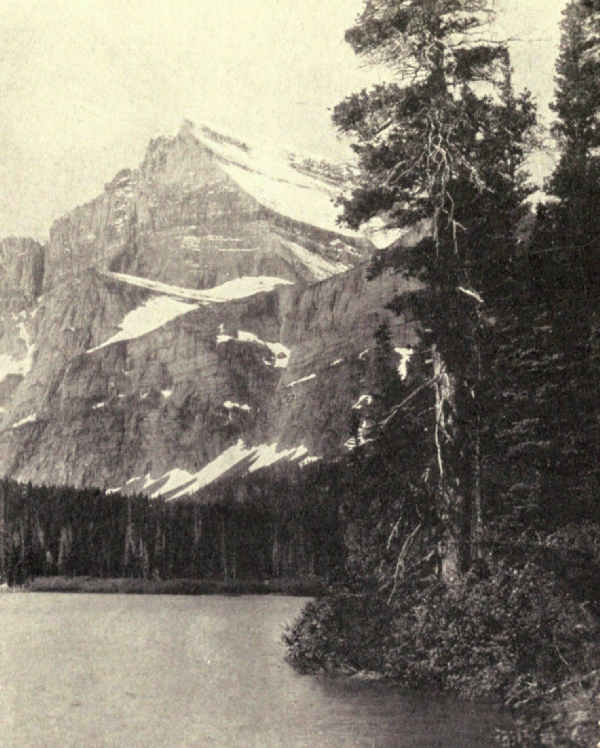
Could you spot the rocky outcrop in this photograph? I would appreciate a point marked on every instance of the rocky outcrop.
(21, 272)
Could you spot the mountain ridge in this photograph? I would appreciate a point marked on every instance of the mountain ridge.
(181, 326)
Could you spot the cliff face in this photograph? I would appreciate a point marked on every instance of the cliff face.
(21, 272)
(21, 277)
(189, 322)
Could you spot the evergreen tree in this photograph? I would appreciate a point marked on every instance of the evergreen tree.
(442, 145)
(570, 228)
(565, 268)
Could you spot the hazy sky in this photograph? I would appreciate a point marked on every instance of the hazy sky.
(84, 84)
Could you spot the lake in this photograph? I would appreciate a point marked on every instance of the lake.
(92, 670)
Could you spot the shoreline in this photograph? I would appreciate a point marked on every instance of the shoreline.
(178, 586)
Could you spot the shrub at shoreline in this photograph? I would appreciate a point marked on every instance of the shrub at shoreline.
(518, 636)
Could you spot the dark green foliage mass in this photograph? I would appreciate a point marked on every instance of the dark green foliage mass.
(569, 227)
(279, 530)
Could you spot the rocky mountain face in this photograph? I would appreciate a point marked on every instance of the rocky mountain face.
(204, 315)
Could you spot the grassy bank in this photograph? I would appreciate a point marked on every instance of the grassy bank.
(284, 586)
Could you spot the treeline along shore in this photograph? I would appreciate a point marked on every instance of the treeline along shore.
(62, 536)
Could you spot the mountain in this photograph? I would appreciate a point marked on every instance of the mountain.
(204, 315)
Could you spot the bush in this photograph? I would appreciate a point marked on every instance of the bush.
(480, 637)
(339, 633)
(485, 637)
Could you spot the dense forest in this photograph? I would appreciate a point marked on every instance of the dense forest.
(279, 531)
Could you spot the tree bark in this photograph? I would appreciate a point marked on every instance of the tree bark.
(224, 550)
(477, 501)
(454, 489)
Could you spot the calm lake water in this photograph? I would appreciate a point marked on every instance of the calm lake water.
(127, 670)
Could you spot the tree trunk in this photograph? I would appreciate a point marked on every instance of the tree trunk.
(477, 504)
(224, 550)
(455, 496)
(129, 551)
(276, 554)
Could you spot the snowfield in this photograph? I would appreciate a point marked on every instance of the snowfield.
(320, 267)
(229, 405)
(362, 401)
(269, 177)
(174, 301)
(152, 314)
(363, 438)
(239, 288)
(11, 365)
(183, 482)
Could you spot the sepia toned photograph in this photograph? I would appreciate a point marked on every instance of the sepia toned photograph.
(299, 373)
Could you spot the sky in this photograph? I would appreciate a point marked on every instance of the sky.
(85, 84)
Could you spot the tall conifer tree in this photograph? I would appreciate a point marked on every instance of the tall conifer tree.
(442, 144)
(565, 255)
(573, 222)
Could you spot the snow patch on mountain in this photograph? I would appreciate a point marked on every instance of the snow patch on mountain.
(229, 405)
(28, 419)
(152, 314)
(362, 401)
(240, 288)
(301, 380)
(273, 178)
(27, 362)
(19, 366)
(178, 482)
(270, 177)
(308, 460)
(9, 365)
(539, 196)
(268, 454)
(320, 267)
(405, 355)
(189, 482)
(280, 352)
(361, 438)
